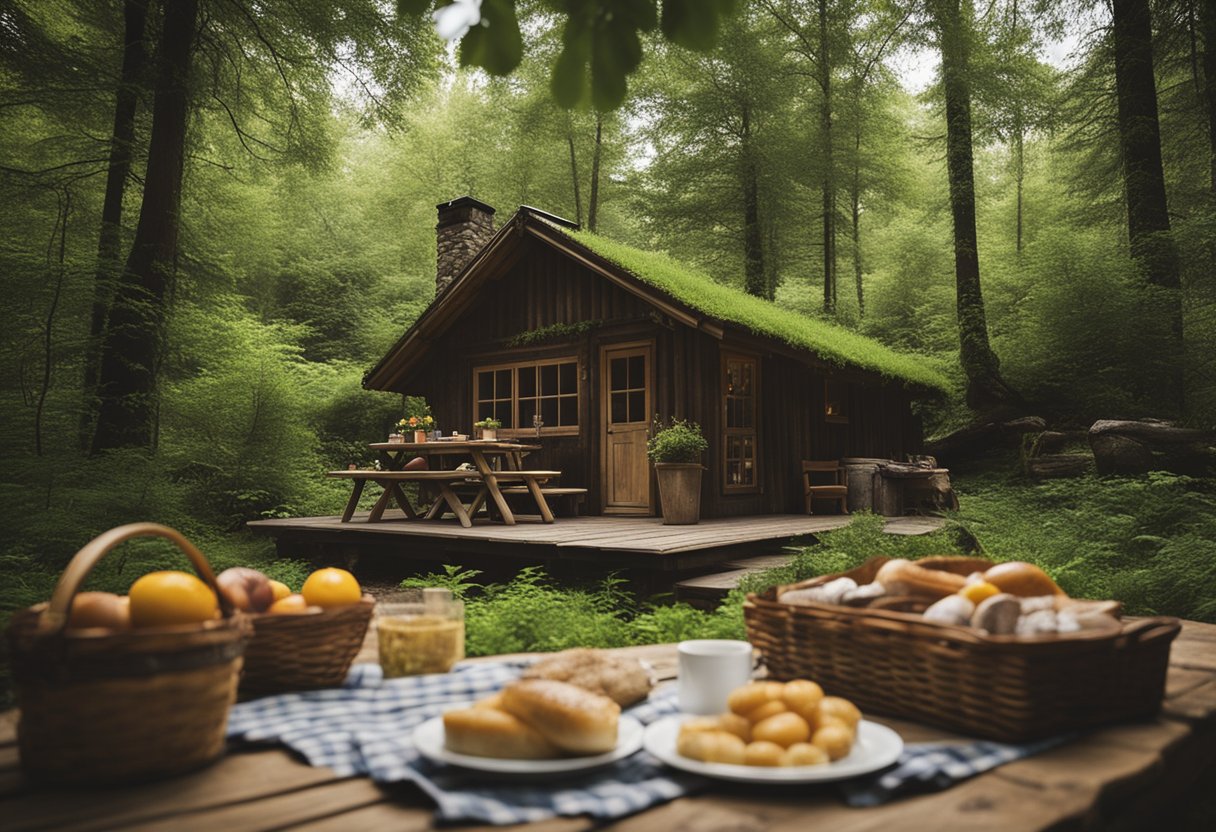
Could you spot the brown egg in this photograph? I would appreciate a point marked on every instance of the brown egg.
(100, 609)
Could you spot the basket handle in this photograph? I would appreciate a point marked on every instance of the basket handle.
(55, 617)
(1150, 629)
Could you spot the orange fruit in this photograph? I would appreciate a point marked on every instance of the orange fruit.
(165, 599)
(290, 605)
(979, 591)
(331, 588)
(281, 590)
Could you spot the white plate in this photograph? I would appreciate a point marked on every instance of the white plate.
(877, 746)
(428, 738)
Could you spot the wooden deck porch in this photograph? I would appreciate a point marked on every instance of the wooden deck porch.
(619, 542)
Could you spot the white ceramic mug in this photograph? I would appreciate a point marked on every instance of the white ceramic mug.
(709, 670)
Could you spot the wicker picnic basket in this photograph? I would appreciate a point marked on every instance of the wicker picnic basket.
(999, 687)
(100, 706)
(308, 651)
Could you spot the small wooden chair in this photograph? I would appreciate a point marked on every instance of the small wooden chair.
(837, 491)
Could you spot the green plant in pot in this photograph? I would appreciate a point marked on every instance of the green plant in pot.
(488, 427)
(676, 449)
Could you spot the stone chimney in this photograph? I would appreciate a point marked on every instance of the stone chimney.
(465, 226)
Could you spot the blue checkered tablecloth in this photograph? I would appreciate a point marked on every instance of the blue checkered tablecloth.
(365, 727)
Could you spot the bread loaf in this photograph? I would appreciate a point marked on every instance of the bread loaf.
(621, 679)
(573, 719)
(484, 731)
(1022, 579)
(903, 577)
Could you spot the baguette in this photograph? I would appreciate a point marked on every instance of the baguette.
(903, 577)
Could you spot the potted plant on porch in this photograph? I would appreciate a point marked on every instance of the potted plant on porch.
(489, 428)
(676, 452)
(420, 425)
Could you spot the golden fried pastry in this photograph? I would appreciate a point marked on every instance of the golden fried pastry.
(572, 718)
(770, 708)
(804, 754)
(751, 696)
(701, 723)
(762, 754)
(784, 729)
(737, 725)
(840, 708)
(711, 747)
(802, 696)
(836, 740)
(622, 680)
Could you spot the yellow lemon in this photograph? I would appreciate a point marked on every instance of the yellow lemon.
(165, 599)
(979, 591)
(331, 588)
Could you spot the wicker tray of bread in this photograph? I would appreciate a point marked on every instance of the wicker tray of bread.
(1014, 659)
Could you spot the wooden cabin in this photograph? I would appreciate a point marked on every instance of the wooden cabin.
(576, 342)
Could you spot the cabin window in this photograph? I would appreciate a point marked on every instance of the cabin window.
(835, 401)
(516, 393)
(740, 380)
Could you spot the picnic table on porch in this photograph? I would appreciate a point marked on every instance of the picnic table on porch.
(1133, 776)
(486, 474)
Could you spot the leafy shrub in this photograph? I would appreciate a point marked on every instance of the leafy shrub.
(680, 441)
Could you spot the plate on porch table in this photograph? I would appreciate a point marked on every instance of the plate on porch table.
(428, 739)
(875, 748)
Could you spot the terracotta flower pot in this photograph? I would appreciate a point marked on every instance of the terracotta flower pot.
(680, 492)
(419, 436)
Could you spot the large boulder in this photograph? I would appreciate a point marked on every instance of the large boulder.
(978, 439)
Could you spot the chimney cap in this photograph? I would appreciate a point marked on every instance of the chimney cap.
(462, 202)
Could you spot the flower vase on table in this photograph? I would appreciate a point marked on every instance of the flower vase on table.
(396, 437)
(419, 436)
(420, 426)
(488, 428)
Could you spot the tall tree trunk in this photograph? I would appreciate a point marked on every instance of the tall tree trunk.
(1148, 221)
(578, 200)
(985, 387)
(131, 351)
(855, 206)
(593, 207)
(829, 173)
(48, 339)
(753, 243)
(1207, 20)
(109, 242)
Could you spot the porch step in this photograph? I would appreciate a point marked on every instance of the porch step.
(707, 591)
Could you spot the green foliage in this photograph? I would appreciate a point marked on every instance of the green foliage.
(552, 332)
(678, 441)
(459, 581)
(532, 613)
(829, 341)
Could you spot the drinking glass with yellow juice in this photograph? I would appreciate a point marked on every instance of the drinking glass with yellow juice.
(420, 632)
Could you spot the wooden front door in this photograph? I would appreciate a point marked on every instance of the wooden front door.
(625, 392)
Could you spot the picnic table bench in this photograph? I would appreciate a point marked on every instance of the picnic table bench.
(443, 482)
(1136, 776)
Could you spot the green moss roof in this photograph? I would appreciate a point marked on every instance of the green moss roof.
(699, 291)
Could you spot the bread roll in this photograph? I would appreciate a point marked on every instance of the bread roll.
(1022, 579)
(488, 732)
(622, 680)
(802, 696)
(903, 577)
(573, 719)
(737, 725)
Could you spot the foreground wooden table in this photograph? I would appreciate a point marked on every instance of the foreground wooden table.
(1130, 777)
